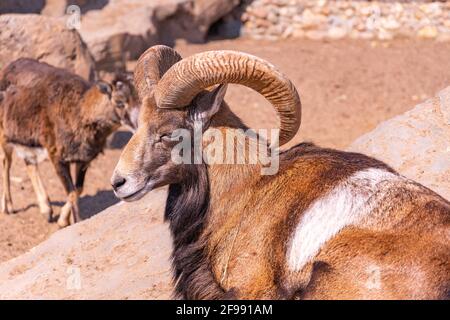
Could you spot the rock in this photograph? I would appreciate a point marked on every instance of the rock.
(57, 8)
(398, 8)
(54, 8)
(121, 253)
(204, 13)
(299, 33)
(336, 33)
(124, 251)
(21, 6)
(275, 30)
(287, 32)
(287, 11)
(416, 143)
(325, 11)
(384, 34)
(230, 28)
(366, 11)
(272, 17)
(124, 29)
(261, 23)
(428, 32)
(308, 18)
(444, 37)
(315, 35)
(361, 19)
(321, 3)
(46, 39)
(365, 35)
(260, 12)
(119, 32)
(444, 100)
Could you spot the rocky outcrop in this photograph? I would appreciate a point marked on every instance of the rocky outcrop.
(416, 143)
(21, 6)
(121, 253)
(46, 39)
(123, 30)
(57, 8)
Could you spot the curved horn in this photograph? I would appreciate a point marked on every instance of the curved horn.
(181, 83)
(151, 66)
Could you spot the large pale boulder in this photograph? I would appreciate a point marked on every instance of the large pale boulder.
(416, 143)
(121, 253)
(123, 29)
(46, 39)
(194, 18)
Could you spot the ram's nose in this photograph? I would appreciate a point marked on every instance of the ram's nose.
(117, 181)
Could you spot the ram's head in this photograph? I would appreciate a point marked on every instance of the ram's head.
(176, 93)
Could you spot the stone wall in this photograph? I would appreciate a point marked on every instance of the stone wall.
(45, 39)
(322, 19)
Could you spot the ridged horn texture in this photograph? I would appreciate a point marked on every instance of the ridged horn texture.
(151, 66)
(181, 83)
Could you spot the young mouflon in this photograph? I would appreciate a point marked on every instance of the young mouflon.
(50, 112)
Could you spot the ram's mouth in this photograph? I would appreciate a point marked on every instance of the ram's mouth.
(138, 194)
(134, 196)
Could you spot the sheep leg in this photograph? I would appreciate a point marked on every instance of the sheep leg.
(70, 211)
(6, 205)
(39, 190)
(71, 208)
(80, 174)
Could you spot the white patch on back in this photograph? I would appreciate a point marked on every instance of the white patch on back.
(345, 205)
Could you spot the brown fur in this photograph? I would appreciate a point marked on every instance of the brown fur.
(265, 220)
(231, 226)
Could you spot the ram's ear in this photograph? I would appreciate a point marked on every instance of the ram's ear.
(104, 87)
(207, 105)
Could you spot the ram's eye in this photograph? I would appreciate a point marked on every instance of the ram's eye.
(166, 137)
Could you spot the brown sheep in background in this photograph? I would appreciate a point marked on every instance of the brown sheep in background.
(50, 112)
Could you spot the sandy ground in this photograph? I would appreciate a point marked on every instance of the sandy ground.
(347, 88)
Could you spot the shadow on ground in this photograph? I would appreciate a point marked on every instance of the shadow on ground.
(119, 140)
(91, 205)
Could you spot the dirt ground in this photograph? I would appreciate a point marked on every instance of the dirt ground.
(347, 88)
